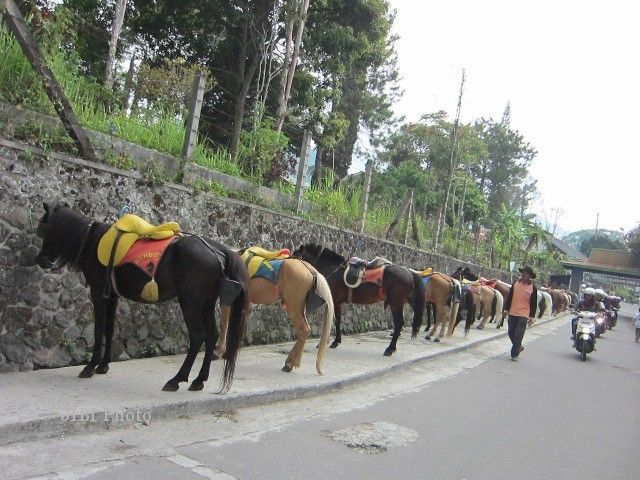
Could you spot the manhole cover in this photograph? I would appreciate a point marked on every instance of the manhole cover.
(373, 437)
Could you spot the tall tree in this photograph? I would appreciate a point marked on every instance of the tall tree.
(116, 29)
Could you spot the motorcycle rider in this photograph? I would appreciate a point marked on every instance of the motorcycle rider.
(587, 304)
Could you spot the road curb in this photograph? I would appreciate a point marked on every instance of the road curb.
(93, 422)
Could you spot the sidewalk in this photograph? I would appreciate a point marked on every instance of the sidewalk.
(53, 403)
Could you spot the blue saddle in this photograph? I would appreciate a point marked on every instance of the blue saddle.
(425, 280)
(270, 270)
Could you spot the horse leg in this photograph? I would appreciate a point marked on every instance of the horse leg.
(100, 313)
(211, 331)
(221, 344)
(302, 328)
(398, 323)
(436, 319)
(108, 335)
(196, 338)
(338, 340)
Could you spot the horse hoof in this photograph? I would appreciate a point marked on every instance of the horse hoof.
(389, 351)
(215, 356)
(102, 369)
(287, 368)
(170, 387)
(334, 344)
(196, 385)
(86, 373)
(437, 340)
(480, 327)
(427, 338)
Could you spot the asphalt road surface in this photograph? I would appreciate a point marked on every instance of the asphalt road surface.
(473, 415)
(548, 416)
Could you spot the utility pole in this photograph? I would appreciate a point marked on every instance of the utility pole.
(597, 224)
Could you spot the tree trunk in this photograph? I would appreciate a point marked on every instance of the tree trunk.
(453, 160)
(116, 29)
(461, 216)
(245, 77)
(291, 57)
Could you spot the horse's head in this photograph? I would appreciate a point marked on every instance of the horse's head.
(319, 256)
(457, 274)
(55, 243)
(466, 273)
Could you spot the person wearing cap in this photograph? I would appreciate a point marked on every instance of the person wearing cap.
(521, 305)
(636, 321)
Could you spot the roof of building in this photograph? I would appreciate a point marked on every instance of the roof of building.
(567, 249)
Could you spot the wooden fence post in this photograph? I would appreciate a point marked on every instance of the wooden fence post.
(302, 165)
(16, 23)
(364, 201)
(193, 121)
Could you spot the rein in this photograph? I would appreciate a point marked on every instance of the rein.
(83, 245)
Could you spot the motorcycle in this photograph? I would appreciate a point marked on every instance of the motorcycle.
(600, 323)
(585, 339)
(613, 317)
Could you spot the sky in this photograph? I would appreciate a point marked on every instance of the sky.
(571, 70)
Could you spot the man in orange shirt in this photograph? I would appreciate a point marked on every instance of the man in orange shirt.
(521, 306)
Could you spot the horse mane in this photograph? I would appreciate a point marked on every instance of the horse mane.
(70, 227)
(324, 252)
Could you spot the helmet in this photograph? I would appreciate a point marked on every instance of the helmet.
(589, 291)
(599, 293)
(583, 286)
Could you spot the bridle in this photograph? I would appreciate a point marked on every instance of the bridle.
(83, 245)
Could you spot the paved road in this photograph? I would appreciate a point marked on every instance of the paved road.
(475, 416)
(549, 416)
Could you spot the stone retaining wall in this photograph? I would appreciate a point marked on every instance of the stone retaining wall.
(46, 318)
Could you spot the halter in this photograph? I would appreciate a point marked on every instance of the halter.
(84, 242)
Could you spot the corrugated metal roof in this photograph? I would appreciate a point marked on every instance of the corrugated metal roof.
(567, 249)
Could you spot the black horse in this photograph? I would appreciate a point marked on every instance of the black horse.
(399, 286)
(467, 301)
(193, 269)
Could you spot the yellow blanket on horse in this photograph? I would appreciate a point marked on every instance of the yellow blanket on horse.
(133, 228)
(253, 257)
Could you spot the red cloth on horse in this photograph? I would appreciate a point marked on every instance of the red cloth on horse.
(146, 254)
(489, 283)
(375, 276)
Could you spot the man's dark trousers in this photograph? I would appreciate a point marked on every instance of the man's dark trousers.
(517, 326)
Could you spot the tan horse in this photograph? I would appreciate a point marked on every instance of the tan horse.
(295, 282)
(441, 293)
(491, 302)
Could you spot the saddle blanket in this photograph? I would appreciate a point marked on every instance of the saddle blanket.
(475, 287)
(257, 258)
(146, 254)
(374, 276)
(269, 269)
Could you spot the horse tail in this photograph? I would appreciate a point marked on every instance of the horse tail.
(456, 296)
(471, 311)
(498, 303)
(418, 300)
(235, 270)
(322, 289)
(494, 304)
(542, 305)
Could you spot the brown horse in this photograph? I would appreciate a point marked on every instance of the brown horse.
(491, 302)
(471, 296)
(441, 292)
(398, 286)
(559, 300)
(296, 281)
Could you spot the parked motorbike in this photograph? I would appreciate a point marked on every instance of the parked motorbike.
(585, 339)
(613, 317)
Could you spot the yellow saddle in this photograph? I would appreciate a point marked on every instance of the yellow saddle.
(133, 228)
(256, 256)
(426, 272)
